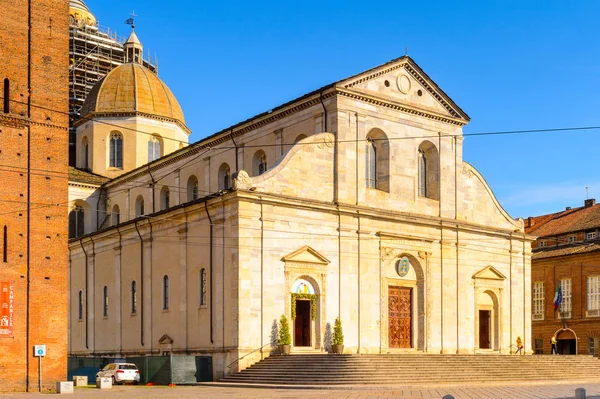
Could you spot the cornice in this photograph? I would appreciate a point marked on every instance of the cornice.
(21, 122)
(91, 115)
(398, 107)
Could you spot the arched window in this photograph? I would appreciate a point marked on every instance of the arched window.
(377, 161)
(5, 244)
(259, 163)
(139, 206)
(6, 96)
(76, 222)
(133, 297)
(154, 149)
(116, 216)
(300, 138)
(224, 177)
(165, 292)
(164, 198)
(116, 150)
(203, 287)
(105, 302)
(192, 188)
(422, 173)
(80, 306)
(428, 169)
(84, 153)
(371, 164)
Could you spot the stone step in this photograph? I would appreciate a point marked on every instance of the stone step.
(326, 369)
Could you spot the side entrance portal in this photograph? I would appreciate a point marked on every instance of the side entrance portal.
(302, 323)
(485, 317)
(400, 317)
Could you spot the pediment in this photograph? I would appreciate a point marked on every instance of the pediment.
(165, 340)
(402, 81)
(306, 255)
(489, 273)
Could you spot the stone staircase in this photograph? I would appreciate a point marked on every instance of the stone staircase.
(407, 369)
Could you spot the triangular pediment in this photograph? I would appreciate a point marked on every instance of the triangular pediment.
(165, 340)
(489, 273)
(403, 82)
(306, 255)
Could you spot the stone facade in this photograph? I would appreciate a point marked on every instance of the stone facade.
(33, 199)
(355, 196)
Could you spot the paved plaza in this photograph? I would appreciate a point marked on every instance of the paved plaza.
(529, 391)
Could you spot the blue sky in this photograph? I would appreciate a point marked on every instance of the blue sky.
(511, 65)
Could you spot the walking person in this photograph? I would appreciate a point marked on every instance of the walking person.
(519, 345)
(553, 351)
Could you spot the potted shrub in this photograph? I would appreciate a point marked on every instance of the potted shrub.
(285, 339)
(337, 339)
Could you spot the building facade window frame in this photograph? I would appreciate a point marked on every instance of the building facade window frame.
(537, 294)
(590, 235)
(192, 188)
(165, 198)
(139, 206)
(166, 292)
(80, 306)
(571, 238)
(203, 299)
(593, 296)
(133, 297)
(6, 107)
(154, 148)
(105, 301)
(116, 150)
(371, 163)
(566, 304)
(76, 222)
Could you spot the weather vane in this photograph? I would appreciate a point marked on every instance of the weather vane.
(130, 21)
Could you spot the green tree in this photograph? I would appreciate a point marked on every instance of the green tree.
(284, 332)
(338, 334)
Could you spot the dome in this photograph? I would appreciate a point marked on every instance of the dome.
(132, 89)
(80, 12)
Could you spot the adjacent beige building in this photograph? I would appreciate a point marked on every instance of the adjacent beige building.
(350, 201)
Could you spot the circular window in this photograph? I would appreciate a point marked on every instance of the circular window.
(403, 83)
(419, 93)
(402, 266)
(387, 83)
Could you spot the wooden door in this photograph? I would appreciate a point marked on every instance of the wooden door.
(484, 329)
(399, 317)
(302, 323)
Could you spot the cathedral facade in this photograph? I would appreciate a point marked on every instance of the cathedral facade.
(352, 201)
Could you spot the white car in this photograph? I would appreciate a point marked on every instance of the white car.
(120, 372)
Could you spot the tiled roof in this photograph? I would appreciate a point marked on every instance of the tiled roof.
(131, 88)
(568, 221)
(82, 176)
(576, 249)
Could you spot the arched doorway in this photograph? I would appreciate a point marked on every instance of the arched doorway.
(304, 311)
(486, 321)
(566, 342)
(403, 311)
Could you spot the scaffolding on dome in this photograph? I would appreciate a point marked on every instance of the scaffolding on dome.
(94, 51)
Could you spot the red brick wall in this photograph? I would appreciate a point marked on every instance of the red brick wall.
(577, 268)
(37, 234)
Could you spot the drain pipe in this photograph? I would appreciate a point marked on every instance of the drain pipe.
(120, 289)
(210, 268)
(87, 284)
(324, 111)
(93, 289)
(141, 283)
(237, 166)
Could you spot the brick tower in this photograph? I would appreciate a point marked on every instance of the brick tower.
(34, 122)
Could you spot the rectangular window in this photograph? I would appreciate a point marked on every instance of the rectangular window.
(538, 346)
(538, 301)
(572, 238)
(542, 244)
(590, 236)
(593, 296)
(5, 245)
(565, 306)
(593, 346)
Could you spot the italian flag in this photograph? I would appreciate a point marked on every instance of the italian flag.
(557, 297)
